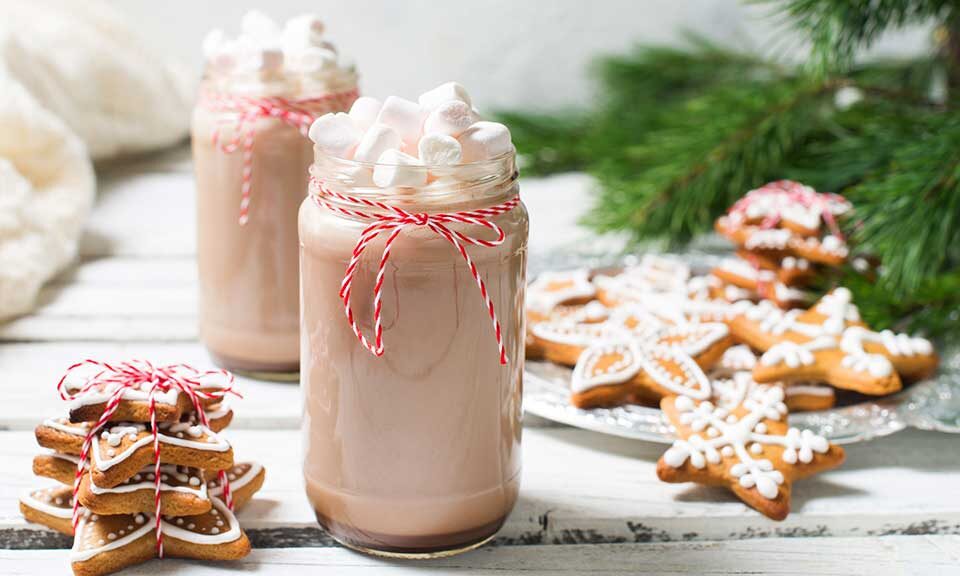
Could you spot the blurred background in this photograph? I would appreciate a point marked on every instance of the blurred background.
(508, 53)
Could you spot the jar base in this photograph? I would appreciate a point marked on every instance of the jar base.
(279, 372)
(412, 547)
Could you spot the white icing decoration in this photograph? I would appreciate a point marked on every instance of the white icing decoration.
(78, 555)
(135, 485)
(251, 473)
(214, 443)
(543, 298)
(231, 534)
(78, 429)
(750, 472)
(29, 499)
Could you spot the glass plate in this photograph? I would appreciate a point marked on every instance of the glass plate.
(930, 405)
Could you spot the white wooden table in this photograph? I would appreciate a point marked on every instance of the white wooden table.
(589, 503)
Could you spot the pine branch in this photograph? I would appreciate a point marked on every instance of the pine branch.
(706, 154)
(909, 214)
(838, 29)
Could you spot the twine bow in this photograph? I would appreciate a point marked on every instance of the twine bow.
(114, 380)
(391, 220)
(299, 114)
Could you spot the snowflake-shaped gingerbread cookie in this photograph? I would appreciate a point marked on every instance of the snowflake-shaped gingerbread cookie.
(748, 448)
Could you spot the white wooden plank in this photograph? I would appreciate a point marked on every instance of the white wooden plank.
(142, 214)
(582, 488)
(29, 373)
(898, 555)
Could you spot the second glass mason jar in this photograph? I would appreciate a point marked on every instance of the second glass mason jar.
(249, 316)
(415, 453)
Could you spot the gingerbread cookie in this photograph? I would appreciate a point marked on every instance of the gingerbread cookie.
(789, 270)
(749, 449)
(563, 342)
(50, 507)
(830, 343)
(90, 386)
(60, 467)
(245, 478)
(790, 205)
(830, 250)
(121, 451)
(213, 535)
(760, 282)
(552, 289)
(183, 492)
(613, 374)
(106, 544)
(732, 390)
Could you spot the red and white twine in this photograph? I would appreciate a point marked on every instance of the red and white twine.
(387, 219)
(299, 113)
(115, 380)
(794, 192)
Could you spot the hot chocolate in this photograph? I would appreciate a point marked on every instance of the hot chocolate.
(251, 157)
(417, 451)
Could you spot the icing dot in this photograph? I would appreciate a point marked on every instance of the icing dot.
(101, 542)
(756, 448)
(215, 512)
(129, 526)
(111, 452)
(219, 522)
(194, 481)
(58, 501)
(139, 519)
(191, 526)
(760, 428)
(180, 521)
(138, 477)
(111, 536)
(122, 532)
(727, 451)
(94, 518)
(214, 530)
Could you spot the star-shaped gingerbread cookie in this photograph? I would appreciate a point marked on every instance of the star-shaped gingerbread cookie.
(830, 343)
(749, 449)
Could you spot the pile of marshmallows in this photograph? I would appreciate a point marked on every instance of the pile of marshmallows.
(264, 47)
(402, 137)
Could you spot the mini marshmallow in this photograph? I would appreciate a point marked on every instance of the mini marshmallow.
(439, 150)
(394, 168)
(450, 118)
(485, 140)
(213, 42)
(378, 139)
(403, 116)
(260, 27)
(219, 51)
(303, 30)
(443, 93)
(364, 111)
(335, 134)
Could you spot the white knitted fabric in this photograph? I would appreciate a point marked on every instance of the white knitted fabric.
(75, 82)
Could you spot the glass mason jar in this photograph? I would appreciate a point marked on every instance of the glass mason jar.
(249, 289)
(415, 453)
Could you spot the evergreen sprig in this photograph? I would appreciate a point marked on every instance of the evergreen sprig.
(679, 134)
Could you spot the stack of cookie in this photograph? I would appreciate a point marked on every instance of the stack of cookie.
(200, 484)
(786, 235)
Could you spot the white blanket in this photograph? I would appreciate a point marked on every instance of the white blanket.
(76, 84)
